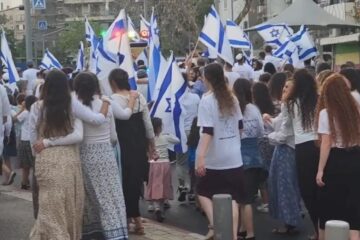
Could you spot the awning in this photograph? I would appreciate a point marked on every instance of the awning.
(306, 12)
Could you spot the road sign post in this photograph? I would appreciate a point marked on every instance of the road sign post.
(42, 25)
(39, 4)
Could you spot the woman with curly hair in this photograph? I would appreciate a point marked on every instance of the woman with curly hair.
(219, 163)
(301, 104)
(338, 176)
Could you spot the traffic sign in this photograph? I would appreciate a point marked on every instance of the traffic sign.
(42, 25)
(39, 4)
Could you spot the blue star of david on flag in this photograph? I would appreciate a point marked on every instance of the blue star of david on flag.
(275, 33)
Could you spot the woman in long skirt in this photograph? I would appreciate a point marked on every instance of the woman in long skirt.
(136, 138)
(284, 202)
(54, 135)
(104, 212)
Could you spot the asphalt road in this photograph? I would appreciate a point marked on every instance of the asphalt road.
(16, 220)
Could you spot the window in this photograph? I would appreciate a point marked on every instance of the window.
(2, 6)
(225, 4)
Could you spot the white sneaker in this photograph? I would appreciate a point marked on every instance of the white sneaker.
(264, 208)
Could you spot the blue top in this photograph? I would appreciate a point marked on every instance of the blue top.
(198, 88)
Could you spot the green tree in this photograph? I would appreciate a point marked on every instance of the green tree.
(68, 41)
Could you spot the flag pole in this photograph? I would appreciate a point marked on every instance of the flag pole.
(193, 52)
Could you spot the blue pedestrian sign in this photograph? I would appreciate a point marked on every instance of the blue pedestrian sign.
(39, 4)
(42, 25)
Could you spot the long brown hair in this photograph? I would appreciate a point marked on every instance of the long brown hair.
(304, 95)
(214, 74)
(56, 118)
(342, 109)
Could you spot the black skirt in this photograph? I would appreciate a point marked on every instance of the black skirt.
(133, 143)
(228, 181)
(339, 199)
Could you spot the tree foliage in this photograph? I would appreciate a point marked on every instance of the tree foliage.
(68, 41)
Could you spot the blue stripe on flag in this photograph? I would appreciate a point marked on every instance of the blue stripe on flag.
(239, 43)
(276, 41)
(307, 53)
(264, 27)
(54, 61)
(213, 12)
(231, 23)
(163, 88)
(221, 38)
(298, 37)
(207, 39)
(176, 116)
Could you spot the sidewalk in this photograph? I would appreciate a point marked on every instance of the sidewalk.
(153, 230)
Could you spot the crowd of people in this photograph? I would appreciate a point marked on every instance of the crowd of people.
(290, 136)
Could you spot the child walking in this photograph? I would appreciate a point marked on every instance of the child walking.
(159, 187)
(24, 148)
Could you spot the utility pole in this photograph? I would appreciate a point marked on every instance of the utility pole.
(28, 30)
(145, 7)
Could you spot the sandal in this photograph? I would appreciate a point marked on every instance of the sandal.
(210, 235)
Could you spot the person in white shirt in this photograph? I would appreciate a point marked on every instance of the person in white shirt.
(284, 193)
(24, 147)
(338, 173)
(218, 157)
(159, 187)
(104, 213)
(190, 105)
(242, 68)
(254, 170)
(231, 76)
(29, 75)
(301, 104)
(5, 128)
(270, 58)
(55, 140)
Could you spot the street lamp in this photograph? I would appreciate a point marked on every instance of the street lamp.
(20, 7)
(28, 31)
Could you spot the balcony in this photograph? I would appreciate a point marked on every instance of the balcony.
(344, 11)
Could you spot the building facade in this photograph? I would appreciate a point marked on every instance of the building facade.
(14, 17)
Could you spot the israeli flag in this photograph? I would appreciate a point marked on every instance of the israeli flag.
(237, 37)
(213, 36)
(105, 63)
(286, 50)
(155, 56)
(49, 61)
(93, 40)
(171, 90)
(113, 51)
(275, 34)
(132, 33)
(80, 60)
(209, 53)
(305, 45)
(8, 62)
